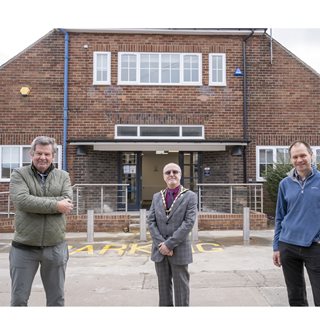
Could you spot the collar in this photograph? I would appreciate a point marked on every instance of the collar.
(34, 169)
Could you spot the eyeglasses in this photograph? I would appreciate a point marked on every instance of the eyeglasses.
(173, 172)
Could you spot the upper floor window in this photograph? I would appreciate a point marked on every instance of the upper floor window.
(217, 69)
(159, 132)
(268, 156)
(101, 68)
(159, 68)
(12, 157)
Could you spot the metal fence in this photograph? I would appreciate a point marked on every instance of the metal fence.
(6, 207)
(230, 197)
(101, 198)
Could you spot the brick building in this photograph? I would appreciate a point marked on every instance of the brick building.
(223, 103)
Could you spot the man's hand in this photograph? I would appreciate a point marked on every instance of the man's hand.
(165, 250)
(65, 206)
(276, 259)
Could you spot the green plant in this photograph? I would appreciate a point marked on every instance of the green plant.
(273, 176)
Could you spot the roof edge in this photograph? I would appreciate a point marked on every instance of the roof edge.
(175, 31)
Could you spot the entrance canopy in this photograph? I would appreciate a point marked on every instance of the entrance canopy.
(158, 145)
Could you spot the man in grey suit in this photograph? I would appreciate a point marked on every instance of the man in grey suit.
(171, 218)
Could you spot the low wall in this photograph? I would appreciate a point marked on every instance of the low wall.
(121, 222)
(234, 221)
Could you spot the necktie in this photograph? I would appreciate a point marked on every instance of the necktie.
(170, 198)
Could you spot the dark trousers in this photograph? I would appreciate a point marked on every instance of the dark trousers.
(294, 259)
(167, 273)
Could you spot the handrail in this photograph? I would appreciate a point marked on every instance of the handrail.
(251, 198)
(124, 187)
(8, 193)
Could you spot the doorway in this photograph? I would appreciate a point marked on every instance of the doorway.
(143, 172)
(152, 177)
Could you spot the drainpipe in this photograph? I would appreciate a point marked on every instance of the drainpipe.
(245, 107)
(65, 100)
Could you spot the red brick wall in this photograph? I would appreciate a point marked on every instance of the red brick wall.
(283, 99)
(283, 96)
(39, 67)
(119, 223)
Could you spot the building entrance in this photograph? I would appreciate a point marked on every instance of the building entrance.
(143, 172)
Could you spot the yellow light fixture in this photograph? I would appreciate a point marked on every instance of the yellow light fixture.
(25, 91)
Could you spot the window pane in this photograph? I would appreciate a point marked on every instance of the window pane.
(102, 67)
(217, 68)
(26, 156)
(191, 68)
(175, 76)
(144, 76)
(283, 156)
(318, 156)
(127, 131)
(165, 76)
(191, 131)
(128, 67)
(159, 131)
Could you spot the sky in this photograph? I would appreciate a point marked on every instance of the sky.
(296, 27)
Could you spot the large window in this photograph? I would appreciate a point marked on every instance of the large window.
(159, 68)
(154, 132)
(217, 69)
(268, 156)
(12, 157)
(101, 68)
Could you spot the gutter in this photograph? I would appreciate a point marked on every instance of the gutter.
(65, 99)
(245, 104)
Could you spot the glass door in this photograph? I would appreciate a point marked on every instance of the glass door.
(131, 174)
(190, 163)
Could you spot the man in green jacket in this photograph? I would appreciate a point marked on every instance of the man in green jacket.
(42, 195)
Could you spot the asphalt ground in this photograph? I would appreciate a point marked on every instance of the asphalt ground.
(116, 270)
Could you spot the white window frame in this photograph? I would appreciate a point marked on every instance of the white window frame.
(139, 137)
(108, 68)
(57, 159)
(223, 82)
(274, 157)
(159, 83)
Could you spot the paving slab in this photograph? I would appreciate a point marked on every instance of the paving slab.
(116, 270)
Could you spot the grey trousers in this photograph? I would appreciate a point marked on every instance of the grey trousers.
(24, 264)
(179, 275)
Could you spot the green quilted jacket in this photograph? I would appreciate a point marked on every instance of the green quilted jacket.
(37, 220)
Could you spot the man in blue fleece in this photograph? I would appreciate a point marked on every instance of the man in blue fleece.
(297, 230)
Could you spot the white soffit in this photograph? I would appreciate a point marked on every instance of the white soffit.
(158, 146)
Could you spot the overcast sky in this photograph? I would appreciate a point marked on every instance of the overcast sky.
(297, 28)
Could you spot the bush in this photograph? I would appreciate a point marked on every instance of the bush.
(273, 177)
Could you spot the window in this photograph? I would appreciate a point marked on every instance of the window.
(159, 68)
(101, 68)
(217, 69)
(12, 157)
(154, 132)
(268, 156)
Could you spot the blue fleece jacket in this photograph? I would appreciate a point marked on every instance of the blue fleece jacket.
(298, 211)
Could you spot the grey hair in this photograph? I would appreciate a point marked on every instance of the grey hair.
(300, 142)
(44, 141)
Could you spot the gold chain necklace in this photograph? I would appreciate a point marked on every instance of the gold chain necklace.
(163, 195)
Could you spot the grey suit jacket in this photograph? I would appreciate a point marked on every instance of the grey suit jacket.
(173, 229)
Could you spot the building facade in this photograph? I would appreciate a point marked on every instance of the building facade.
(223, 103)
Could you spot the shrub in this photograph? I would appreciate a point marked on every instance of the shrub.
(273, 177)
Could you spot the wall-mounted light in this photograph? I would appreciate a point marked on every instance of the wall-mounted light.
(238, 72)
(237, 151)
(81, 150)
(25, 91)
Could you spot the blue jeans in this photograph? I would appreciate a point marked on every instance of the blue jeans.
(24, 264)
(294, 259)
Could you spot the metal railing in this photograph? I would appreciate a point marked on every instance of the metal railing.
(102, 198)
(5, 204)
(230, 197)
